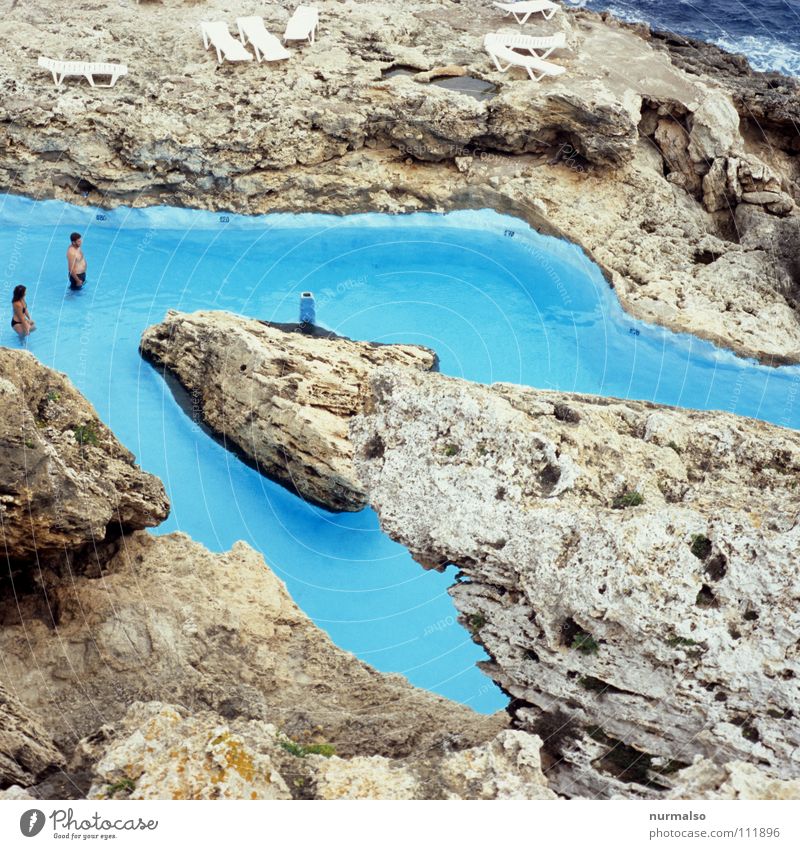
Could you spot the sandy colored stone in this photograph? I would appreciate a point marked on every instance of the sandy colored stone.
(669, 625)
(159, 753)
(169, 621)
(284, 399)
(325, 131)
(27, 752)
(68, 484)
(736, 780)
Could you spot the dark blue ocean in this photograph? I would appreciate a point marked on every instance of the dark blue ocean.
(766, 31)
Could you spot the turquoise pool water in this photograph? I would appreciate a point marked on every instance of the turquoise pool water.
(497, 301)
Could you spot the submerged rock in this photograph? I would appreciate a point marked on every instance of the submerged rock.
(68, 484)
(631, 570)
(282, 399)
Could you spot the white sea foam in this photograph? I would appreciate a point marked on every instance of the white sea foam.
(764, 53)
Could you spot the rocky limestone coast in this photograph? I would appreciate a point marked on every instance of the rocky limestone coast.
(629, 568)
(670, 162)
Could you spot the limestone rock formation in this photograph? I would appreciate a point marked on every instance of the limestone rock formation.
(68, 484)
(170, 621)
(160, 751)
(273, 396)
(629, 568)
(339, 128)
(27, 753)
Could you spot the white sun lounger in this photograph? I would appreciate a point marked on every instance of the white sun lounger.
(90, 70)
(525, 8)
(215, 33)
(537, 68)
(302, 25)
(540, 46)
(266, 45)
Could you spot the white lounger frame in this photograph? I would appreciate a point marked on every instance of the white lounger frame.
(540, 46)
(523, 9)
(217, 35)
(60, 69)
(266, 45)
(302, 25)
(537, 68)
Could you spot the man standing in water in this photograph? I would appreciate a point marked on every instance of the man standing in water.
(76, 262)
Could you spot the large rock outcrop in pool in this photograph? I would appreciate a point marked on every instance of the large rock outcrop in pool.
(67, 483)
(172, 622)
(631, 569)
(645, 170)
(283, 399)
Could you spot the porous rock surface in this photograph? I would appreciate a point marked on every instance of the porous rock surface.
(67, 483)
(283, 399)
(170, 621)
(160, 751)
(705, 779)
(643, 152)
(630, 569)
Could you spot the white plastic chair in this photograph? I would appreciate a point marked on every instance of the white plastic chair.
(302, 25)
(540, 46)
(537, 68)
(525, 8)
(60, 69)
(215, 33)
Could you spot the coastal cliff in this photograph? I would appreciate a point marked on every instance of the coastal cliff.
(69, 486)
(630, 569)
(670, 162)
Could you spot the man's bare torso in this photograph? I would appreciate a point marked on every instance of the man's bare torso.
(76, 260)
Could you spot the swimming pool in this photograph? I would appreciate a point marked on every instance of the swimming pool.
(497, 301)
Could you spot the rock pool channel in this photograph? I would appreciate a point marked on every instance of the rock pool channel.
(496, 300)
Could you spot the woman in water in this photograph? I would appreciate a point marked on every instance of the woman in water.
(21, 318)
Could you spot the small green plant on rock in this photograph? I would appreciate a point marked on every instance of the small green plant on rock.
(585, 643)
(301, 751)
(124, 785)
(450, 450)
(675, 447)
(629, 498)
(475, 621)
(673, 642)
(29, 443)
(53, 396)
(701, 546)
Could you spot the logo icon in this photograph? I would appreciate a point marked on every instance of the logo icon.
(31, 822)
